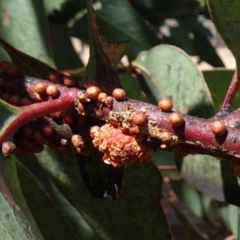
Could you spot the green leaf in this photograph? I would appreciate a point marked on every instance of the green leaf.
(102, 180)
(210, 176)
(112, 218)
(28, 65)
(225, 15)
(78, 224)
(99, 67)
(16, 219)
(13, 208)
(131, 86)
(218, 81)
(200, 204)
(120, 22)
(64, 54)
(24, 25)
(54, 5)
(231, 217)
(54, 226)
(179, 37)
(188, 195)
(167, 70)
(187, 221)
(205, 50)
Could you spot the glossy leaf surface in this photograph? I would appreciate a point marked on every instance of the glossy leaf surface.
(167, 70)
(141, 181)
(24, 25)
(225, 15)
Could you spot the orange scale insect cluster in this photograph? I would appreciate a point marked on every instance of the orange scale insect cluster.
(119, 149)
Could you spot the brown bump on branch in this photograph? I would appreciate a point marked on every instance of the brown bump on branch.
(39, 138)
(68, 118)
(69, 81)
(93, 92)
(11, 70)
(5, 97)
(109, 101)
(40, 87)
(8, 148)
(4, 65)
(165, 105)
(14, 100)
(133, 130)
(52, 91)
(218, 128)
(119, 94)
(139, 119)
(175, 119)
(101, 97)
(28, 133)
(47, 131)
(55, 77)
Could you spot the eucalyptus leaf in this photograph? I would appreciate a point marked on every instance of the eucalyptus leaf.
(119, 22)
(28, 64)
(65, 55)
(218, 91)
(226, 19)
(14, 210)
(170, 73)
(112, 219)
(231, 217)
(16, 219)
(24, 25)
(131, 86)
(102, 180)
(52, 223)
(190, 196)
(99, 66)
(78, 224)
(186, 221)
(205, 50)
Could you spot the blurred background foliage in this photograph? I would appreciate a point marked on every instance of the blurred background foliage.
(199, 196)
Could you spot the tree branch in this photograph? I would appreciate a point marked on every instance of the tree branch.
(194, 136)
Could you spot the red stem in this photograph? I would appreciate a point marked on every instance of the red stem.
(38, 110)
(233, 87)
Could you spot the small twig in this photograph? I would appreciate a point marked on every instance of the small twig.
(40, 109)
(233, 87)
